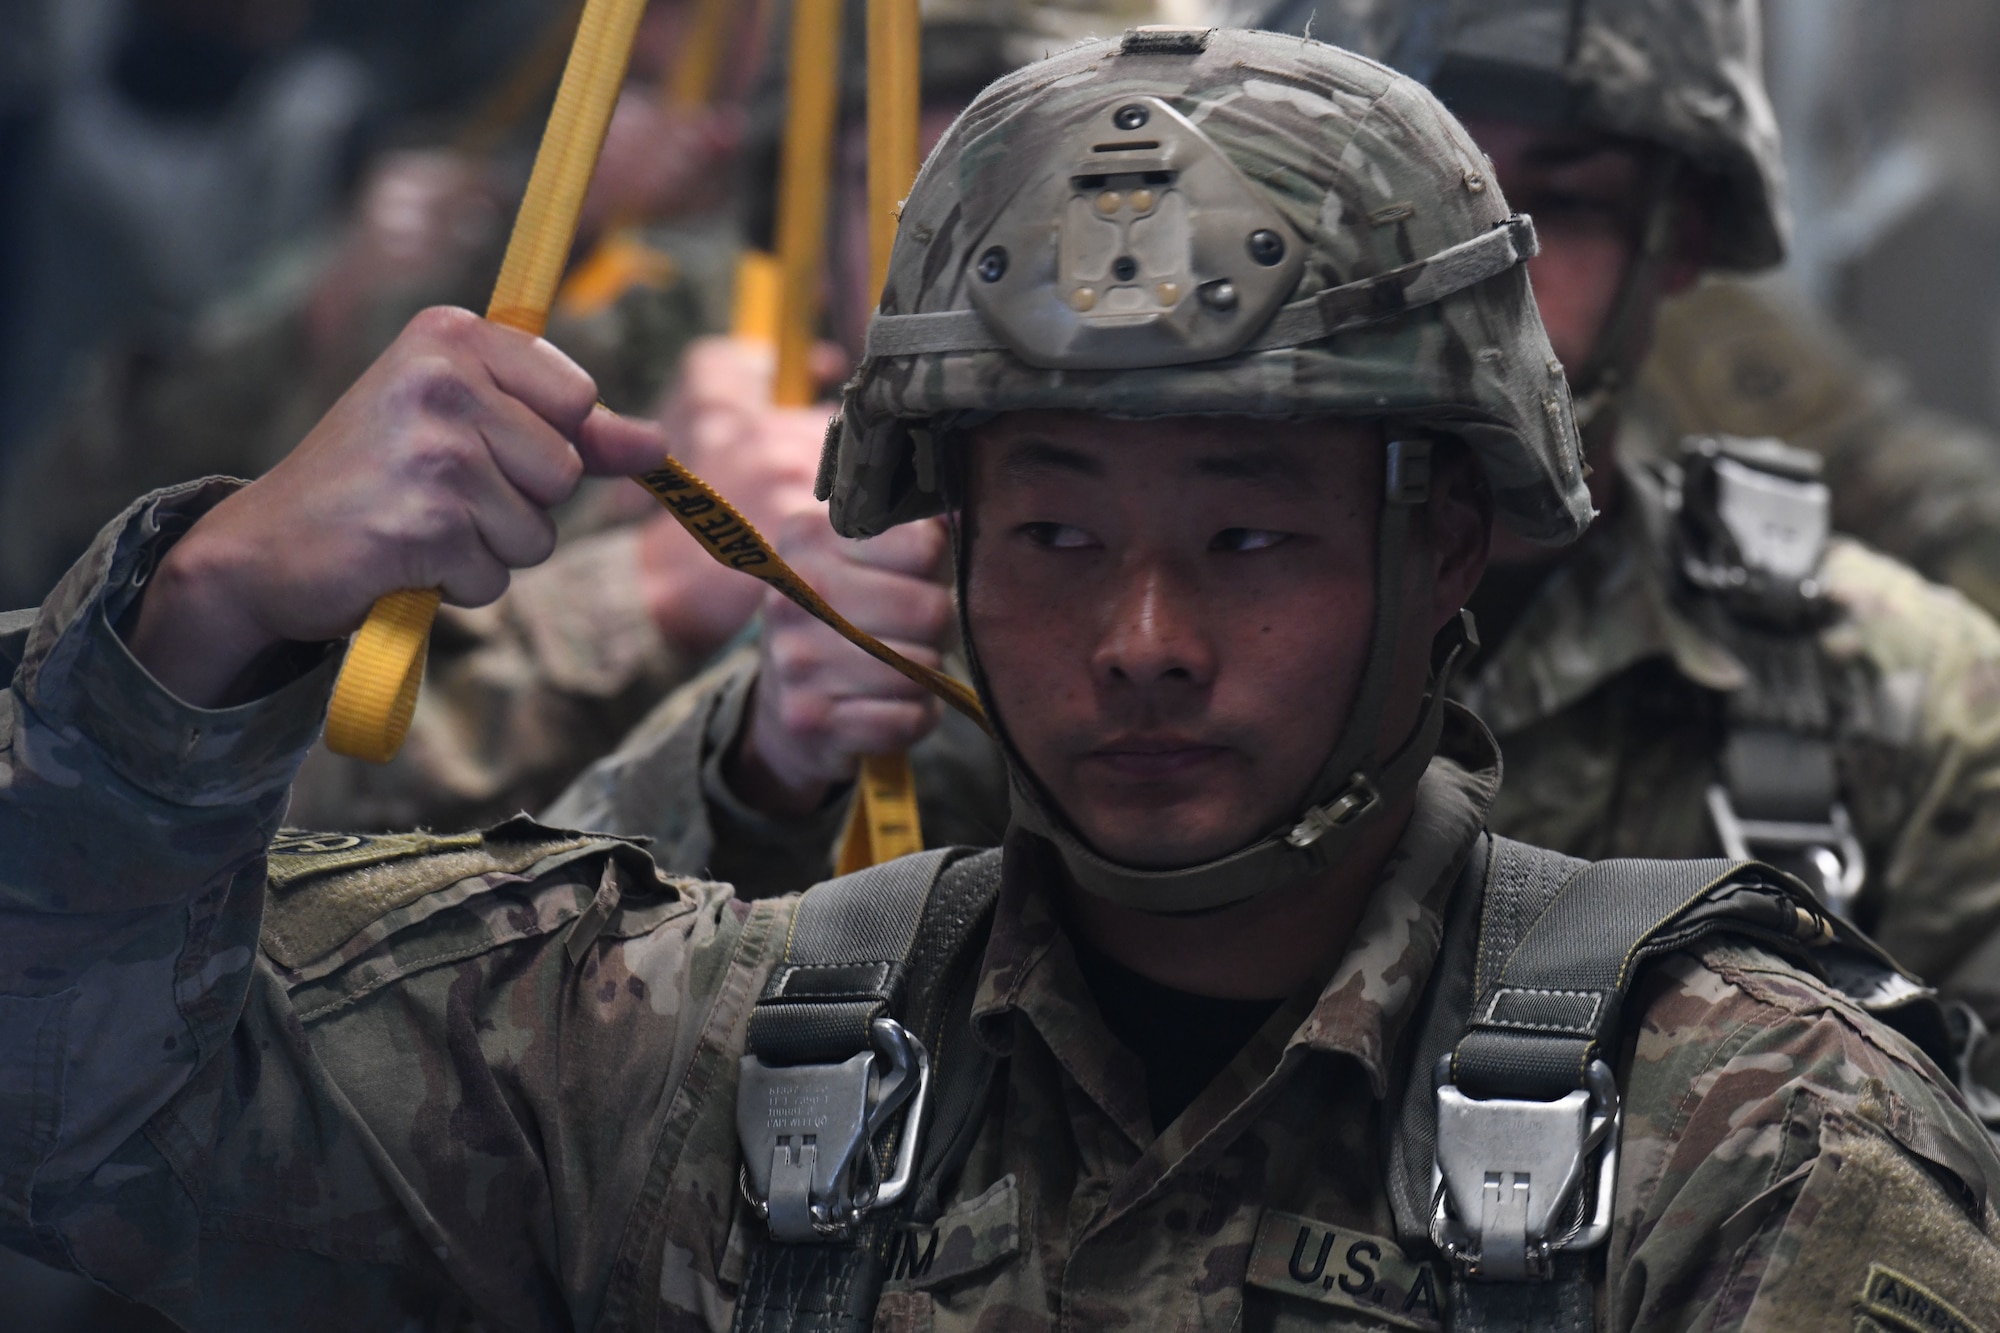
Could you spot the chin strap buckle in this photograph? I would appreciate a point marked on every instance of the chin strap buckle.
(1356, 799)
(1511, 1174)
(808, 1134)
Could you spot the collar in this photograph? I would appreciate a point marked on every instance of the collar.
(1367, 995)
(1605, 607)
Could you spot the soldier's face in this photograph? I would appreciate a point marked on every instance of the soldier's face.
(1586, 192)
(1173, 615)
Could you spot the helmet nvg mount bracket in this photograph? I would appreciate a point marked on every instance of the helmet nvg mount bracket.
(1164, 254)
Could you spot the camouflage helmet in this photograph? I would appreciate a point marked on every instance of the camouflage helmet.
(1686, 75)
(1188, 221)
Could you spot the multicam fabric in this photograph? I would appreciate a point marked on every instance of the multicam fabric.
(1341, 147)
(509, 1103)
(1684, 74)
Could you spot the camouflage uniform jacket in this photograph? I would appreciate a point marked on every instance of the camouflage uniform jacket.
(344, 1083)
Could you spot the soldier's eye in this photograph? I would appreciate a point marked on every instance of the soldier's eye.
(1057, 536)
(1246, 539)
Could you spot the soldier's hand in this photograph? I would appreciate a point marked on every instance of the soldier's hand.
(820, 702)
(436, 469)
(720, 423)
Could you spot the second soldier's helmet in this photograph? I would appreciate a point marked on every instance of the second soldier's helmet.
(1208, 222)
(1686, 75)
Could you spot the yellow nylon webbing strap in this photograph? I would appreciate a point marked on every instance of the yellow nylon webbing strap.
(377, 690)
(895, 35)
(812, 109)
(729, 537)
(697, 71)
(757, 300)
(883, 823)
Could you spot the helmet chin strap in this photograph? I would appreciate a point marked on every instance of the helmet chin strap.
(1601, 381)
(1352, 790)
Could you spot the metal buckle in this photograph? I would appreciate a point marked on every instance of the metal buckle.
(1358, 796)
(1830, 849)
(1762, 519)
(1508, 1173)
(808, 1134)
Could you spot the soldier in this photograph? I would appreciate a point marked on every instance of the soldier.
(1671, 686)
(1220, 347)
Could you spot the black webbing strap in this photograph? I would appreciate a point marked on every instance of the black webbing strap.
(1503, 888)
(1544, 1016)
(844, 962)
(1528, 998)
(899, 940)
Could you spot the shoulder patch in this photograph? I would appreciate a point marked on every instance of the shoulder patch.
(1905, 1303)
(325, 888)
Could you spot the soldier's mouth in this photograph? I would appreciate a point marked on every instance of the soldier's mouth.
(1154, 758)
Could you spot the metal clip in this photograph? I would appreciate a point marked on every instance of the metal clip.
(1508, 1175)
(808, 1134)
(1407, 476)
(1756, 520)
(1357, 796)
(1830, 850)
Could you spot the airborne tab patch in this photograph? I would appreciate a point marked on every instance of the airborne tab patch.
(1905, 1303)
(300, 854)
(1317, 1261)
(328, 887)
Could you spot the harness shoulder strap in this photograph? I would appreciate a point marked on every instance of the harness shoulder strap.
(1509, 1113)
(857, 1100)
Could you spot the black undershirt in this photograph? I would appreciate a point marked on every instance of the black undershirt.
(1182, 1040)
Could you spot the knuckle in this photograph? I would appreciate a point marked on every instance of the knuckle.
(451, 325)
(435, 386)
(444, 458)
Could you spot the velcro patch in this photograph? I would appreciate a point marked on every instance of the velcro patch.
(1904, 1303)
(326, 888)
(301, 854)
(1317, 1261)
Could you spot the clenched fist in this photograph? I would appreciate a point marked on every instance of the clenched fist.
(437, 469)
(820, 702)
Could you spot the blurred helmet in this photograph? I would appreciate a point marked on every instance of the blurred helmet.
(1187, 221)
(1686, 75)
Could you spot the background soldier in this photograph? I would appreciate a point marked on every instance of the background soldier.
(1668, 687)
(501, 1080)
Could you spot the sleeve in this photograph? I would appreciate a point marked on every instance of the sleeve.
(518, 697)
(134, 828)
(666, 783)
(1789, 1164)
(328, 1082)
(1921, 767)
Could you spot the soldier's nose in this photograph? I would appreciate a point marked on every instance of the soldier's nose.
(1152, 635)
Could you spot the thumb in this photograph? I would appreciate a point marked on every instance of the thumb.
(612, 445)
